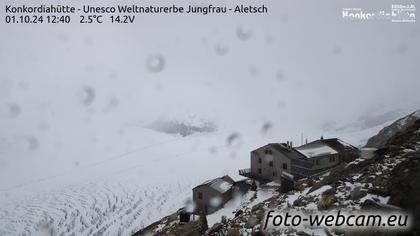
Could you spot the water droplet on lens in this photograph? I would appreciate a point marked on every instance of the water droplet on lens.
(190, 205)
(216, 202)
(14, 110)
(221, 49)
(266, 128)
(88, 95)
(243, 33)
(33, 143)
(155, 63)
(234, 140)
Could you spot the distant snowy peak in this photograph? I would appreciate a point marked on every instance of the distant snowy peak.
(182, 128)
(386, 133)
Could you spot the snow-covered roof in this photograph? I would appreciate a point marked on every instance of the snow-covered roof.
(221, 184)
(344, 143)
(272, 184)
(287, 175)
(289, 152)
(315, 150)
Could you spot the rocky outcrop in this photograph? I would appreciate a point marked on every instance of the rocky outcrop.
(357, 193)
(327, 199)
(386, 133)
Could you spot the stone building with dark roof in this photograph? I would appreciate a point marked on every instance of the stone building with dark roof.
(212, 194)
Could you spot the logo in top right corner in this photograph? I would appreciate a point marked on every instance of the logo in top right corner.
(404, 13)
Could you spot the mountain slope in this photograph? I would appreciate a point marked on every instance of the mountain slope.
(386, 133)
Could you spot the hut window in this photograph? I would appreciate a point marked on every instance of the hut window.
(259, 160)
(259, 171)
(268, 151)
(200, 195)
(332, 159)
(316, 162)
(271, 163)
(284, 166)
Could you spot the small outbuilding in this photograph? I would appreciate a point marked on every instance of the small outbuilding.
(213, 194)
(287, 182)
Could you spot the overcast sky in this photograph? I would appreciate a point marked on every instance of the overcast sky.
(67, 90)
